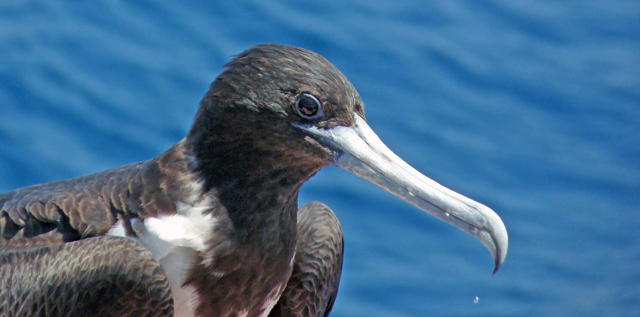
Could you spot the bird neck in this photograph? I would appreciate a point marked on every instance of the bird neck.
(258, 188)
(242, 156)
(256, 184)
(252, 199)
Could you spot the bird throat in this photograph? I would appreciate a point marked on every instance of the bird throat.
(257, 191)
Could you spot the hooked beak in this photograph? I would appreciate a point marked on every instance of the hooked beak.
(359, 150)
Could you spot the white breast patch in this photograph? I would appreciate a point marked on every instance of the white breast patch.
(174, 241)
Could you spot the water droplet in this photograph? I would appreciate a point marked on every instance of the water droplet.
(476, 300)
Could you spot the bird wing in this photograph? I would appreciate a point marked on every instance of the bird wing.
(87, 206)
(55, 259)
(314, 282)
(89, 277)
(69, 209)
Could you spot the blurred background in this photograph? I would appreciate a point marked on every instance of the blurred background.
(530, 107)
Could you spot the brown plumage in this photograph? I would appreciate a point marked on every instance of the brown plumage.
(102, 276)
(313, 285)
(89, 206)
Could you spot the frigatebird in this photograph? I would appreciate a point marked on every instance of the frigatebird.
(211, 227)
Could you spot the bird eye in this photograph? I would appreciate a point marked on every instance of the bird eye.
(308, 106)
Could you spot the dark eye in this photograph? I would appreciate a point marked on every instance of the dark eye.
(308, 107)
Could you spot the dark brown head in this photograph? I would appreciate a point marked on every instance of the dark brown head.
(244, 126)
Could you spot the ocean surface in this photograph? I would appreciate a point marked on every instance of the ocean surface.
(530, 107)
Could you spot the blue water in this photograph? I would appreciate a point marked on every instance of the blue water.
(531, 107)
